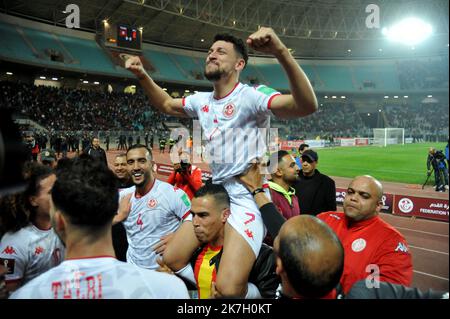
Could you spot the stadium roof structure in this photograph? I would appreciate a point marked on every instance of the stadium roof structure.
(311, 28)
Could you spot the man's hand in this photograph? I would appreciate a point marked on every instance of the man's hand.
(215, 294)
(265, 40)
(161, 246)
(134, 64)
(163, 267)
(124, 209)
(252, 179)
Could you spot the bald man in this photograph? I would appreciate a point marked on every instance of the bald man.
(374, 250)
(310, 258)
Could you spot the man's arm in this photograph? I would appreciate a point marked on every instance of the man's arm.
(158, 97)
(302, 100)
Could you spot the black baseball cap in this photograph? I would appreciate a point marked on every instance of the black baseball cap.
(310, 154)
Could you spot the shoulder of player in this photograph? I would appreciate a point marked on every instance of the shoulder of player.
(338, 216)
(19, 239)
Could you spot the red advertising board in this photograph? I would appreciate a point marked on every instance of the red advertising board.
(387, 199)
(421, 207)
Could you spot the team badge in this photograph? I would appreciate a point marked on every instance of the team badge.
(152, 203)
(205, 109)
(359, 245)
(229, 110)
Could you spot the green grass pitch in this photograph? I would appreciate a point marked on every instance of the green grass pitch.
(394, 163)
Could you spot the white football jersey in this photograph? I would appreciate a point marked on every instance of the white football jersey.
(29, 252)
(157, 213)
(230, 125)
(102, 277)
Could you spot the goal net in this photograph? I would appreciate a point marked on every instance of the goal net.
(388, 136)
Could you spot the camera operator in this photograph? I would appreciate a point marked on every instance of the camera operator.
(186, 176)
(436, 159)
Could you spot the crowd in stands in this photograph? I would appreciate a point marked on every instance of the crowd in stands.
(423, 122)
(82, 110)
(331, 119)
(420, 74)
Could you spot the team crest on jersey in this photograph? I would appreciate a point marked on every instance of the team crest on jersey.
(152, 203)
(205, 108)
(249, 233)
(229, 110)
(359, 245)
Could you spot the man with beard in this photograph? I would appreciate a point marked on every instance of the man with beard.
(239, 109)
(157, 210)
(284, 173)
(83, 202)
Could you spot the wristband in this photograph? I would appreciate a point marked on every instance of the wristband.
(258, 190)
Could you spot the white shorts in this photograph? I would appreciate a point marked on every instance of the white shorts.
(245, 216)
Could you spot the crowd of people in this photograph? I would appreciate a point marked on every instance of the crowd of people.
(423, 122)
(419, 74)
(66, 235)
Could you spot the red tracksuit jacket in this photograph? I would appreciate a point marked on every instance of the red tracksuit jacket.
(371, 242)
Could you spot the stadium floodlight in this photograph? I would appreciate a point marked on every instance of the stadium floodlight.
(410, 31)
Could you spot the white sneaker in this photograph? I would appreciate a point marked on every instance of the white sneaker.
(446, 187)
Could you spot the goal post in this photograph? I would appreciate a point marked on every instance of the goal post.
(388, 136)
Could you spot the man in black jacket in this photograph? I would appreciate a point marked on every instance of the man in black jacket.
(316, 192)
(96, 152)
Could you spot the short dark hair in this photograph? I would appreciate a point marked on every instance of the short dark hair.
(217, 191)
(294, 252)
(274, 159)
(36, 172)
(238, 44)
(302, 147)
(87, 192)
(136, 146)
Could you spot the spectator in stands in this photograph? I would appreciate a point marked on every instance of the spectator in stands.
(436, 160)
(303, 147)
(186, 176)
(372, 246)
(316, 192)
(84, 202)
(96, 152)
(30, 246)
(48, 158)
(210, 211)
(284, 173)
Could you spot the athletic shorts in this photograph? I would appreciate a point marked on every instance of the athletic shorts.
(245, 216)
